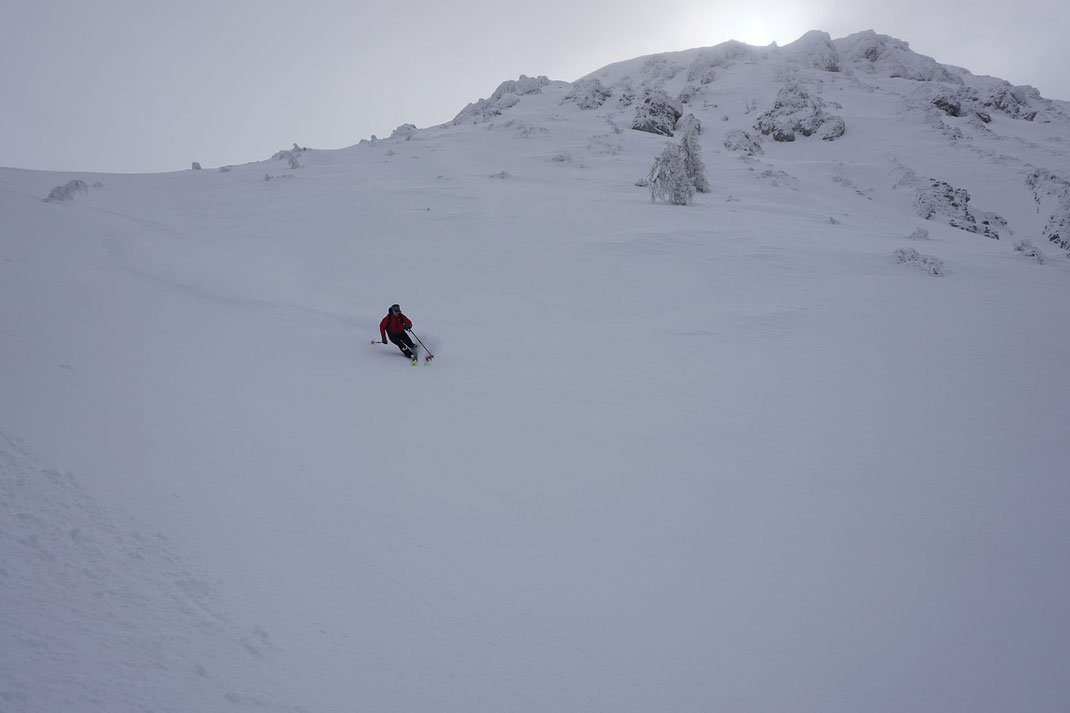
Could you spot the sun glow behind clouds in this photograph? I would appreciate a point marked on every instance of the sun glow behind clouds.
(753, 31)
(713, 25)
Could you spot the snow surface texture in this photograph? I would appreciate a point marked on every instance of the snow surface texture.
(100, 601)
(723, 456)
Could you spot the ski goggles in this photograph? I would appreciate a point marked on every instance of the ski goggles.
(395, 308)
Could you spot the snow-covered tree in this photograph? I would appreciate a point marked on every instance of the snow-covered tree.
(679, 171)
(668, 177)
(692, 153)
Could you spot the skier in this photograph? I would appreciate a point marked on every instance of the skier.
(394, 325)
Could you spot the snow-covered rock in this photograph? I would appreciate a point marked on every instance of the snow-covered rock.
(1013, 101)
(67, 192)
(588, 93)
(948, 105)
(519, 87)
(405, 131)
(290, 156)
(506, 96)
(703, 67)
(658, 69)
(1026, 247)
(796, 111)
(688, 94)
(688, 124)
(478, 112)
(625, 92)
(657, 113)
(956, 101)
(816, 49)
(1052, 193)
(886, 56)
(926, 263)
(741, 141)
(941, 200)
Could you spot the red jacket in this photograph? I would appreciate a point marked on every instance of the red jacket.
(394, 323)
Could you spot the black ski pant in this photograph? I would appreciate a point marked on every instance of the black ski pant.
(401, 339)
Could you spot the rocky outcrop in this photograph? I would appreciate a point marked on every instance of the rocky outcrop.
(689, 125)
(478, 112)
(702, 69)
(1013, 101)
(588, 94)
(941, 200)
(519, 87)
(1052, 193)
(1026, 248)
(657, 113)
(929, 264)
(886, 56)
(949, 106)
(955, 101)
(67, 192)
(658, 69)
(405, 131)
(816, 49)
(743, 142)
(624, 91)
(797, 112)
(290, 156)
(505, 96)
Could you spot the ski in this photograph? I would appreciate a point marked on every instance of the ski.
(414, 360)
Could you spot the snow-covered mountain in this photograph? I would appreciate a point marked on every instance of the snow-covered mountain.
(797, 445)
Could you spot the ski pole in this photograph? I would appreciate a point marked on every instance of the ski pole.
(429, 354)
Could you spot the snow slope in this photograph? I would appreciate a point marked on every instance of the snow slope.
(731, 455)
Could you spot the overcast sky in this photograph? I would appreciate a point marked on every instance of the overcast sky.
(147, 85)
